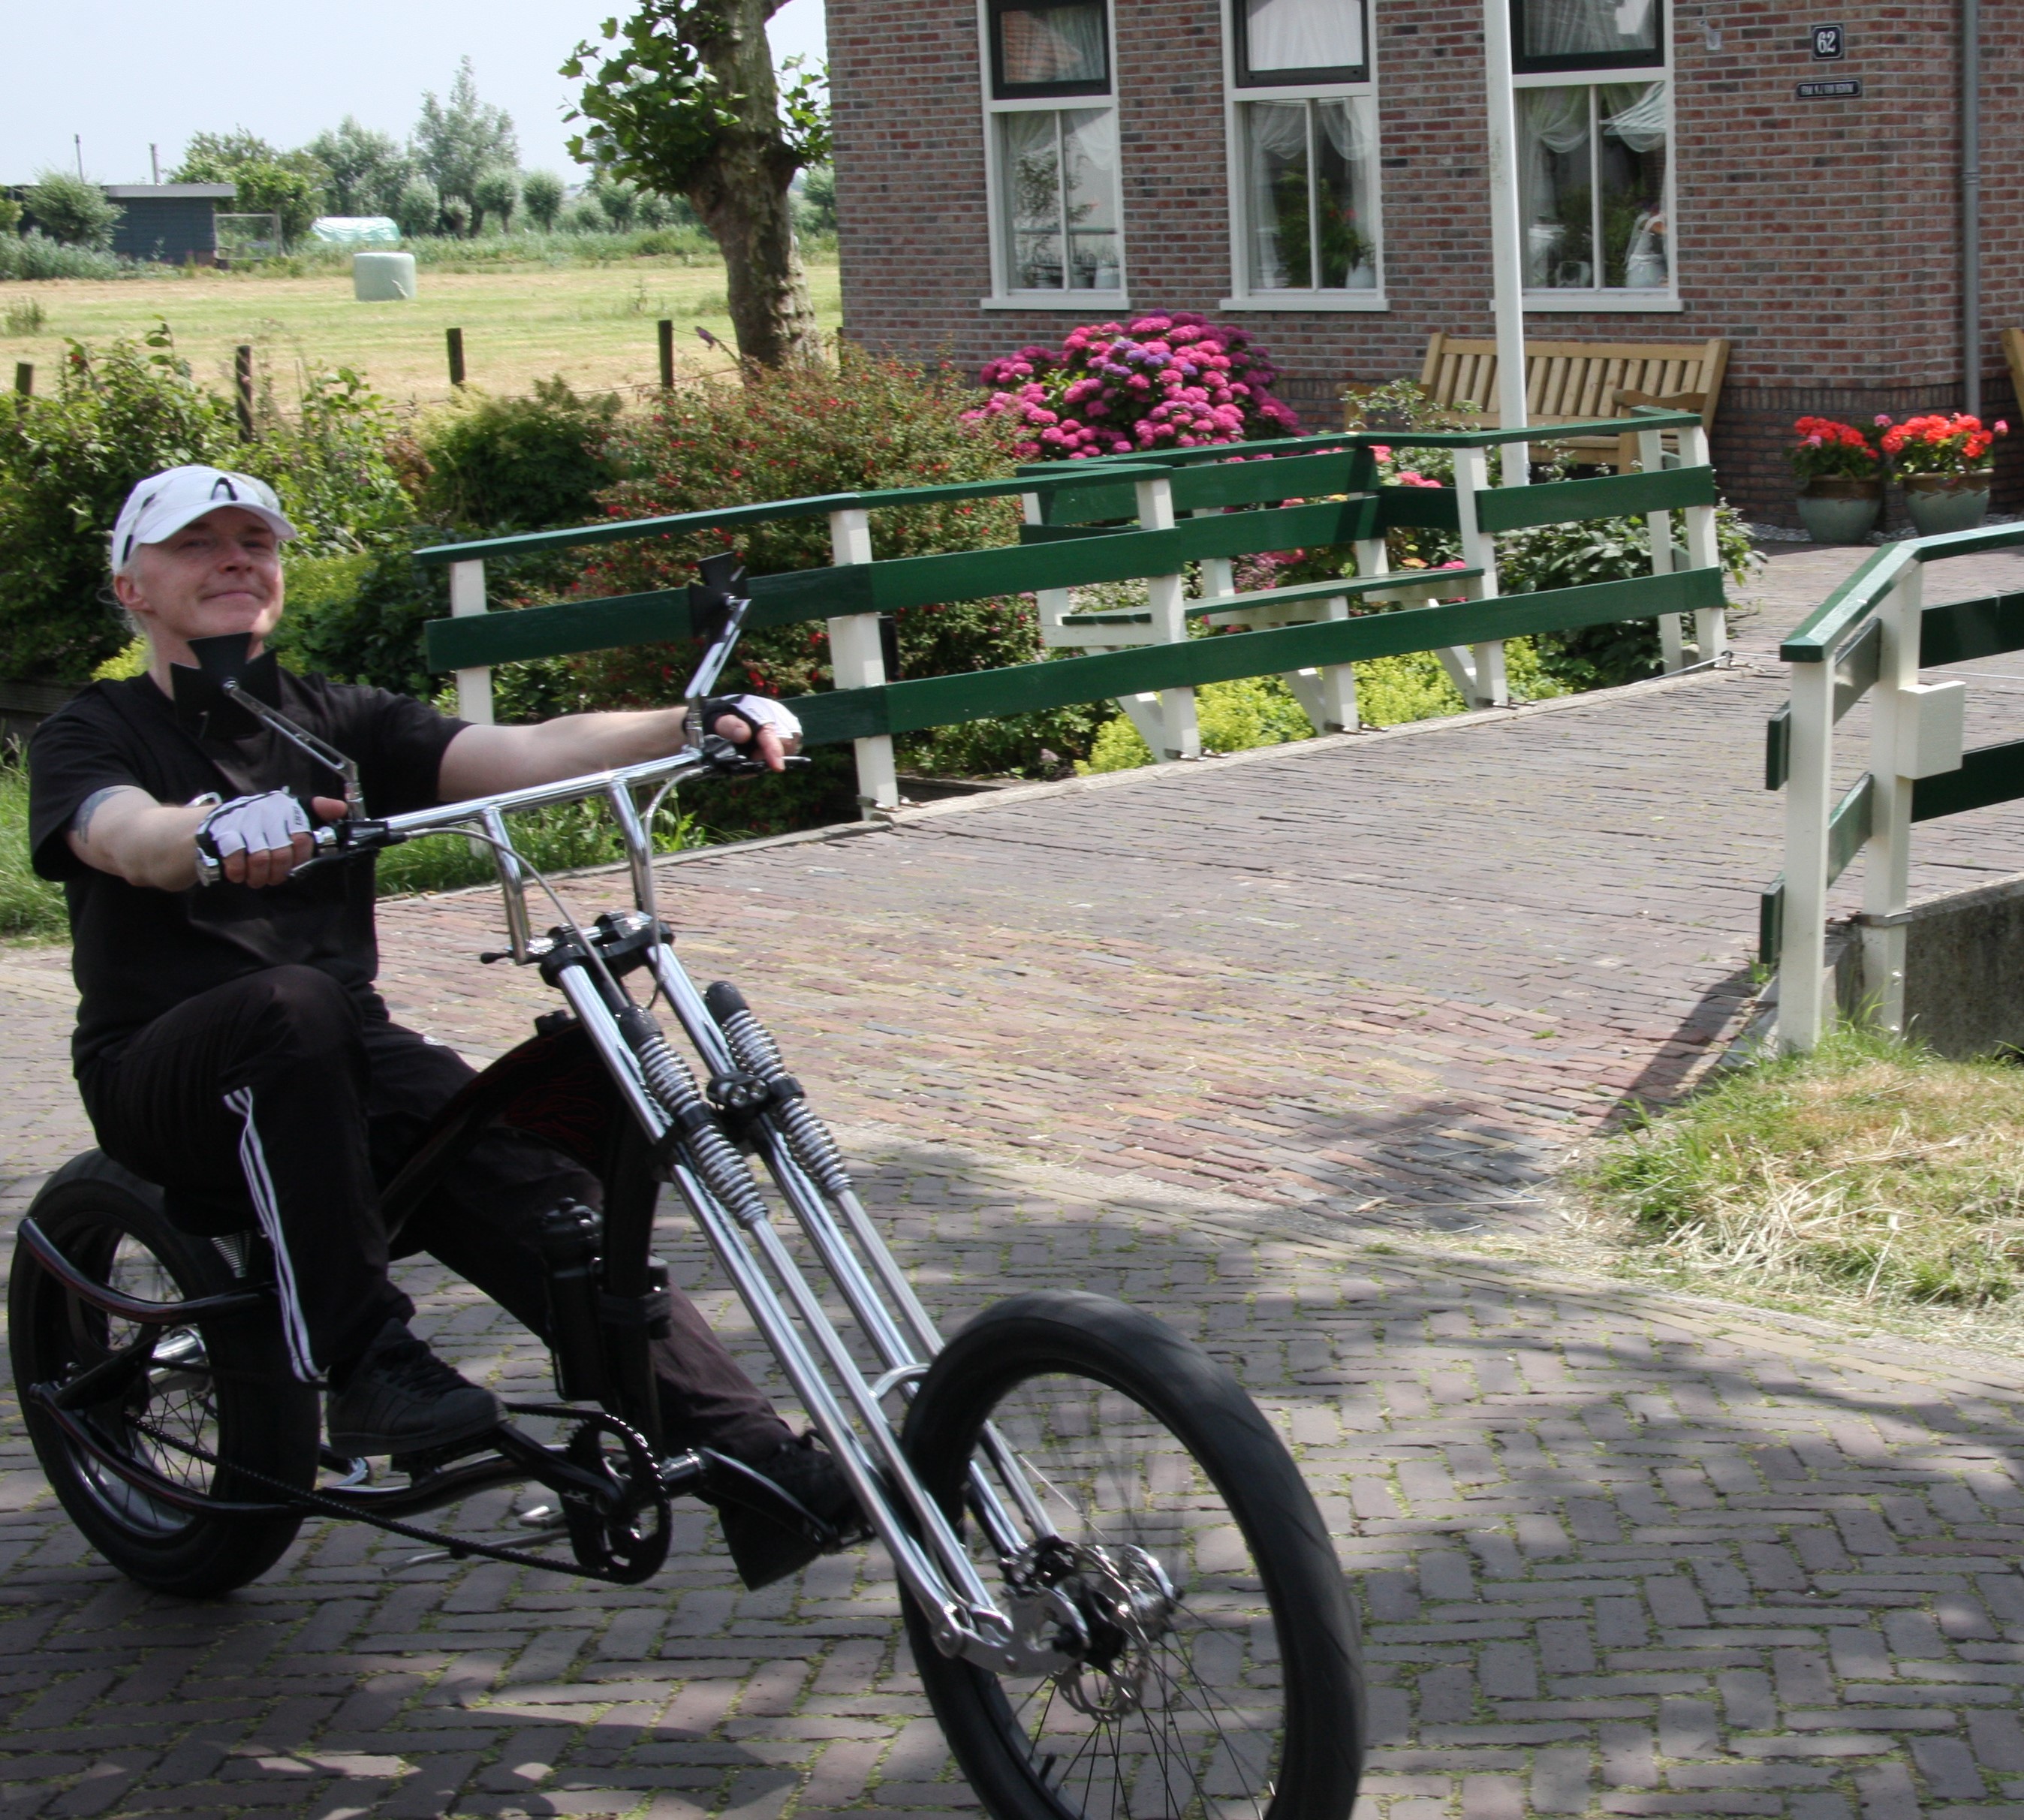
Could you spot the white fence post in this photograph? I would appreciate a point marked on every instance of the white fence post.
(1180, 735)
(1053, 604)
(1886, 856)
(466, 597)
(1802, 999)
(857, 661)
(1659, 527)
(1710, 623)
(1481, 681)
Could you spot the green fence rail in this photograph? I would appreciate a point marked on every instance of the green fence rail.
(1147, 517)
(1868, 641)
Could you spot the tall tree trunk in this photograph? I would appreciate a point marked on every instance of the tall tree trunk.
(741, 197)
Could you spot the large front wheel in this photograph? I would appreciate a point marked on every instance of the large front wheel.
(1116, 1485)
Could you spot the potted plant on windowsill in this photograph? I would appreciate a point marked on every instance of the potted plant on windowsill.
(1939, 462)
(1841, 480)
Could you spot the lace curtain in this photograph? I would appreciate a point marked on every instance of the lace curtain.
(1299, 34)
(1062, 241)
(1559, 171)
(1286, 239)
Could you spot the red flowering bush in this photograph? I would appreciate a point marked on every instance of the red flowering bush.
(1937, 445)
(1173, 380)
(1827, 449)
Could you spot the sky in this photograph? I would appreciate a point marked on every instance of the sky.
(124, 73)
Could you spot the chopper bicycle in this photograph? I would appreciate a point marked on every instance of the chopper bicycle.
(1120, 1598)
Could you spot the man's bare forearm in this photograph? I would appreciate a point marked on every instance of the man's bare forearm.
(125, 832)
(483, 760)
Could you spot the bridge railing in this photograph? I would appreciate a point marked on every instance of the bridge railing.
(1148, 518)
(1869, 640)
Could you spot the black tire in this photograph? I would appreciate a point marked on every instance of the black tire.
(224, 1385)
(1243, 1695)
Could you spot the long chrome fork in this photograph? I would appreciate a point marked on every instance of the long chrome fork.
(941, 1575)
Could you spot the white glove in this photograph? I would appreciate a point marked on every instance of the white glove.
(769, 713)
(252, 824)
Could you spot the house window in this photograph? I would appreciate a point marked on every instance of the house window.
(1594, 168)
(1059, 170)
(1308, 195)
(1300, 40)
(1049, 50)
(1305, 159)
(1585, 34)
(1593, 180)
(1057, 218)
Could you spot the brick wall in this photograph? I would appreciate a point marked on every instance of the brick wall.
(1822, 237)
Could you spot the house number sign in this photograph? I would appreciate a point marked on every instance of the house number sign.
(1830, 43)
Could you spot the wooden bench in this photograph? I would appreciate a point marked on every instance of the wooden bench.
(1569, 381)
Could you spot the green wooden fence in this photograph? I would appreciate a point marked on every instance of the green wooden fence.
(1148, 518)
(1869, 640)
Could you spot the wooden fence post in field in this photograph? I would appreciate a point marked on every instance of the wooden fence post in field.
(454, 337)
(242, 387)
(667, 334)
(25, 378)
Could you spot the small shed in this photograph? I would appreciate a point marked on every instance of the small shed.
(170, 221)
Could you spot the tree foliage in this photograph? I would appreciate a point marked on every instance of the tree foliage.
(71, 211)
(289, 185)
(541, 194)
(367, 168)
(682, 99)
(457, 139)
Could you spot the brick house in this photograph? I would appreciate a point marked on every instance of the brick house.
(1314, 171)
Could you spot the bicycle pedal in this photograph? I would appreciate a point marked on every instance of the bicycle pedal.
(420, 1465)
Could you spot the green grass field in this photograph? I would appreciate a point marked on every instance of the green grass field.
(594, 325)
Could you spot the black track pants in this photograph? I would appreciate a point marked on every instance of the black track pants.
(285, 1083)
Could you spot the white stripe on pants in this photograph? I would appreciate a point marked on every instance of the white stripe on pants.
(253, 1161)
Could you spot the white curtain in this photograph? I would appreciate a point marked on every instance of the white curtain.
(1053, 44)
(1296, 34)
(1577, 27)
(1553, 125)
(1089, 142)
(1342, 124)
(1031, 170)
(1276, 133)
(1634, 114)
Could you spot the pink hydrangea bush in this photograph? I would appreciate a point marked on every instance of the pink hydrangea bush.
(1172, 380)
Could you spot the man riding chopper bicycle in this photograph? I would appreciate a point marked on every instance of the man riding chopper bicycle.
(229, 1037)
(1119, 1594)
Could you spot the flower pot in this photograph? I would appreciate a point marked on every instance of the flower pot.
(1947, 502)
(1838, 511)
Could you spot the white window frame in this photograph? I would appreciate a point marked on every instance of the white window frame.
(1668, 301)
(1238, 188)
(1003, 296)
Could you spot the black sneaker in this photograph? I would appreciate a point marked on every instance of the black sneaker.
(763, 1550)
(402, 1399)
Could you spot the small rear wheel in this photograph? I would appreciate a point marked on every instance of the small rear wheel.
(1121, 1494)
(223, 1386)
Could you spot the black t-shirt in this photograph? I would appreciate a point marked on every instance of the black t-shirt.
(138, 951)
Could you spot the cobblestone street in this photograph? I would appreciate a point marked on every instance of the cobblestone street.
(1222, 1040)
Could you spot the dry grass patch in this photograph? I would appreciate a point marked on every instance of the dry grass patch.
(1870, 1173)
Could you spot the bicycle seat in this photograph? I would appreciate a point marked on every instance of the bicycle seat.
(207, 1213)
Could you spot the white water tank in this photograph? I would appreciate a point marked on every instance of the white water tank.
(383, 277)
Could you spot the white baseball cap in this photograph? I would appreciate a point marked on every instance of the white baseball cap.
(164, 503)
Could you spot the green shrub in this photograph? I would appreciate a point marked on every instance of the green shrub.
(67, 461)
(541, 193)
(358, 617)
(34, 254)
(29, 905)
(10, 215)
(73, 212)
(524, 464)
(417, 207)
(329, 459)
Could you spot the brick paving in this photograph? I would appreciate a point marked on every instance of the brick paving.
(1618, 1551)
